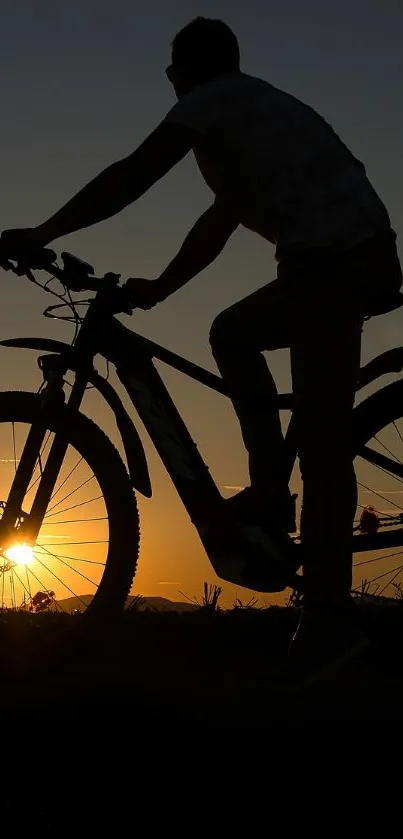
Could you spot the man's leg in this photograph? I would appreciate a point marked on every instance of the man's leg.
(325, 359)
(238, 336)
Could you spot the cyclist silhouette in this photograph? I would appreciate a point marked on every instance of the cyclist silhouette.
(276, 167)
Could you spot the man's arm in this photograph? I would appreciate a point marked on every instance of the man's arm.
(201, 246)
(122, 183)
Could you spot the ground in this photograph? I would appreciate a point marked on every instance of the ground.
(194, 675)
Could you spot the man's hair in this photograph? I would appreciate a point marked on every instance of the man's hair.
(206, 48)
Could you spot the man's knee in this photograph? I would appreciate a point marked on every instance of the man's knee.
(221, 333)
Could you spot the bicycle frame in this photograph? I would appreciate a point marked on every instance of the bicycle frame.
(133, 355)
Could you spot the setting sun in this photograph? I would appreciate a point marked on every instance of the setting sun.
(21, 554)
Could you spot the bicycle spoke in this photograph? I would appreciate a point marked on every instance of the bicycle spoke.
(21, 583)
(63, 544)
(14, 450)
(76, 521)
(396, 429)
(374, 491)
(390, 581)
(45, 588)
(28, 584)
(385, 574)
(76, 558)
(41, 453)
(392, 467)
(387, 472)
(66, 479)
(73, 507)
(387, 449)
(49, 570)
(376, 559)
(76, 571)
(72, 493)
(383, 514)
(12, 590)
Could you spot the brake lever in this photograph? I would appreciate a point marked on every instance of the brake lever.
(21, 269)
(5, 264)
(17, 269)
(127, 308)
(34, 259)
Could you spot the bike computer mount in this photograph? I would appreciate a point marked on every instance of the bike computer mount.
(72, 264)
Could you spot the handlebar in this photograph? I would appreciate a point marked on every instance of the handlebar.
(75, 274)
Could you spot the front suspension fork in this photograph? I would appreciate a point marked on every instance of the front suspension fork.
(28, 529)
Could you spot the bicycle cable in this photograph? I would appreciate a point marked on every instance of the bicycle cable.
(68, 301)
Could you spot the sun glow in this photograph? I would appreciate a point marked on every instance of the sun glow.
(21, 554)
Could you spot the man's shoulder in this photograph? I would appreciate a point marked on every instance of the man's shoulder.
(212, 100)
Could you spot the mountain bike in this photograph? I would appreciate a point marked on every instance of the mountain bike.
(59, 470)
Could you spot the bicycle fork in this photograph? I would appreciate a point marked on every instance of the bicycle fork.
(14, 520)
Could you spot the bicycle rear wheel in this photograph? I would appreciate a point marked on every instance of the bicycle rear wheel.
(378, 536)
(86, 552)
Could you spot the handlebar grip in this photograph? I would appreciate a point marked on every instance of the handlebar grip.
(33, 258)
(4, 263)
(37, 259)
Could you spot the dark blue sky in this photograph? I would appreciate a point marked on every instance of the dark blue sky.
(83, 83)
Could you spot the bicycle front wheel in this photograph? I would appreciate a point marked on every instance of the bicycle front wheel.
(86, 552)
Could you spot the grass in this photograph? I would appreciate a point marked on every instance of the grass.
(195, 672)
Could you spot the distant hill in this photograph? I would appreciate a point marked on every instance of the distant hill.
(158, 604)
(162, 604)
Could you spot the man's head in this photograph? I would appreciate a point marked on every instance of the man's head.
(202, 51)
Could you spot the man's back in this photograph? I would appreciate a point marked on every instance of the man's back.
(281, 164)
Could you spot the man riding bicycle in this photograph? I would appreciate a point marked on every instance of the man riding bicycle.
(276, 167)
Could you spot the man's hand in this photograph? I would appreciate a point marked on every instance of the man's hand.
(15, 242)
(143, 294)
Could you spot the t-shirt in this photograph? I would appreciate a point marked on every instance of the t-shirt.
(285, 171)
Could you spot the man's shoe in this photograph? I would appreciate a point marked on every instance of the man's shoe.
(271, 558)
(327, 638)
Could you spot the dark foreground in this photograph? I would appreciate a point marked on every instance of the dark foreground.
(194, 675)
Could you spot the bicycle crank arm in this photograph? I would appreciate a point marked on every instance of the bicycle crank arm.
(245, 555)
